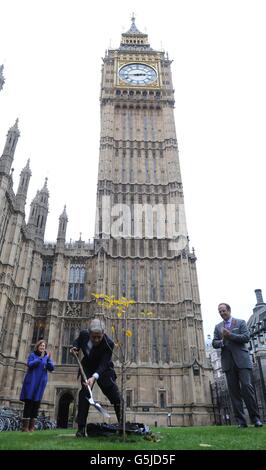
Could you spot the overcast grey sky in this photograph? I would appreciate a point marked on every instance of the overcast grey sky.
(52, 50)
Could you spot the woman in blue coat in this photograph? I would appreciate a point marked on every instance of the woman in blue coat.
(36, 378)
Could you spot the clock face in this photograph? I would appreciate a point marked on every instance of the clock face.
(137, 74)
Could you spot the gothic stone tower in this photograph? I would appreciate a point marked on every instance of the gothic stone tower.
(140, 251)
(141, 229)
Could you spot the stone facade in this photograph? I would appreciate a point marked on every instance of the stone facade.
(45, 289)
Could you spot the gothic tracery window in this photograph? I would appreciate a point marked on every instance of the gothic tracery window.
(38, 330)
(71, 331)
(76, 282)
(45, 280)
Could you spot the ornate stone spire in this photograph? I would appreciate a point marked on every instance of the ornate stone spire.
(39, 212)
(23, 186)
(63, 220)
(64, 214)
(2, 78)
(133, 39)
(7, 157)
(61, 234)
(45, 188)
(259, 296)
(133, 28)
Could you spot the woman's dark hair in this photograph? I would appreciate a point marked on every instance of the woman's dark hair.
(227, 306)
(38, 344)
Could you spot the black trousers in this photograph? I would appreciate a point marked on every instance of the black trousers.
(31, 409)
(109, 389)
(240, 388)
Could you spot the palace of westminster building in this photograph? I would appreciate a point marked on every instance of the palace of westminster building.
(46, 289)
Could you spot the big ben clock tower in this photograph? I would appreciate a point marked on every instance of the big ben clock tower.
(141, 251)
(141, 236)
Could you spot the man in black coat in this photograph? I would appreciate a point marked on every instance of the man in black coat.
(231, 335)
(97, 350)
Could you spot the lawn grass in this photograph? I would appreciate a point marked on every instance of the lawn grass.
(189, 438)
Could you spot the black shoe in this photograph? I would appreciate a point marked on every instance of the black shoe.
(242, 425)
(258, 423)
(81, 432)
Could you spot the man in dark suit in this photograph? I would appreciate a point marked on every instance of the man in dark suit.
(231, 335)
(97, 350)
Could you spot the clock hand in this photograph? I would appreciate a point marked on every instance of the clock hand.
(138, 74)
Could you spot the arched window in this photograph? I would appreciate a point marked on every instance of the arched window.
(38, 331)
(162, 399)
(45, 280)
(76, 282)
(71, 331)
(128, 398)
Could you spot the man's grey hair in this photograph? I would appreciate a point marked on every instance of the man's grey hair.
(96, 325)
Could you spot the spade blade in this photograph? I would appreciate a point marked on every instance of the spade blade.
(98, 407)
(101, 410)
